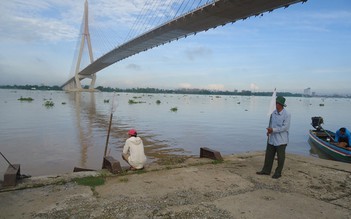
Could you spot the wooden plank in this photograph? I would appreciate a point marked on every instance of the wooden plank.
(79, 169)
(11, 174)
(209, 153)
(112, 165)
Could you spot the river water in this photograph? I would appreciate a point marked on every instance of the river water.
(73, 132)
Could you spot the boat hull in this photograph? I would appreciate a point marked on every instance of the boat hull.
(320, 139)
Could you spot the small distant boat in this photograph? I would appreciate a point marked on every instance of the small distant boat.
(324, 141)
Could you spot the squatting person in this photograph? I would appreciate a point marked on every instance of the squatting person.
(133, 151)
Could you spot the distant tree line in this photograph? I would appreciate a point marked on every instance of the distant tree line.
(155, 90)
(31, 87)
(193, 91)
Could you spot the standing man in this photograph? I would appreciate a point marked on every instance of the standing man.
(278, 139)
(133, 151)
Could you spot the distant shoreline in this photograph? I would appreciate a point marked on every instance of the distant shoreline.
(171, 91)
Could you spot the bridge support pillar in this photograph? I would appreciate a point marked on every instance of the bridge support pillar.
(92, 83)
(74, 84)
(77, 79)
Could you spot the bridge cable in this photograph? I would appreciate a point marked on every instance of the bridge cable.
(175, 15)
(103, 44)
(132, 29)
(148, 17)
(160, 17)
(152, 14)
(151, 18)
(184, 9)
(166, 16)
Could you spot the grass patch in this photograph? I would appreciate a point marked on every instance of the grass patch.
(123, 179)
(134, 102)
(171, 160)
(49, 103)
(174, 109)
(140, 171)
(28, 99)
(217, 161)
(90, 181)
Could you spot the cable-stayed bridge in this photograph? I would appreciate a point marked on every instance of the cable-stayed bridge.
(210, 15)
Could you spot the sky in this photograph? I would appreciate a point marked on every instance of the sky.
(303, 46)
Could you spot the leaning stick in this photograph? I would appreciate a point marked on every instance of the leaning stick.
(8, 161)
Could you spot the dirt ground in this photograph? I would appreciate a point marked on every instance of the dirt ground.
(197, 188)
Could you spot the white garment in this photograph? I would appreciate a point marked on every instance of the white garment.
(280, 122)
(135, 148)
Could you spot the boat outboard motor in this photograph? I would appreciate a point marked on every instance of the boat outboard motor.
(317, 121)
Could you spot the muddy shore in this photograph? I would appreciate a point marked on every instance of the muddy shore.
(195, 188)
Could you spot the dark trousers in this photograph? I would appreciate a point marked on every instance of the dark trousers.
(269, 158)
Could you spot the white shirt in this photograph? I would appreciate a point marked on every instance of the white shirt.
(135, 148)
(280, 122)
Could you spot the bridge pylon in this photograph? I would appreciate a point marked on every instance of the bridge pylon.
(75, 84)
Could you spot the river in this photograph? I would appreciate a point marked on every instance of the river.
(72, 133)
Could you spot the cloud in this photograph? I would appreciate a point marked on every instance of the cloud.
(253, 86)
(138, 16)
(215, 87)
(196, 52)
(185, 85)
(37, 21)
(55, 20)
(133, 66)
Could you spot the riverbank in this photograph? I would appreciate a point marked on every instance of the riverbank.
(197, 188)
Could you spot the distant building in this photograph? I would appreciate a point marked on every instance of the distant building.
(307, 92)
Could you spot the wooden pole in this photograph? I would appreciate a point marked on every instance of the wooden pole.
(108, 134)
(113, 109)
(107, 139)
(8, 161)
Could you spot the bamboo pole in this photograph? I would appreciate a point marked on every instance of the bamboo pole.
(113, 109)
(108, 134)
(8, 161)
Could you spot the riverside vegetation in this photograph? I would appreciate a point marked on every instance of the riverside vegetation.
(157, 90)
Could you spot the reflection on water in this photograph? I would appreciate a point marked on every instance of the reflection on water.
(315, 152)
(85, 131)
(55, 140)
(92, 125)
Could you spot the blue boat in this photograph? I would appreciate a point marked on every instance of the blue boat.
(324, 141)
